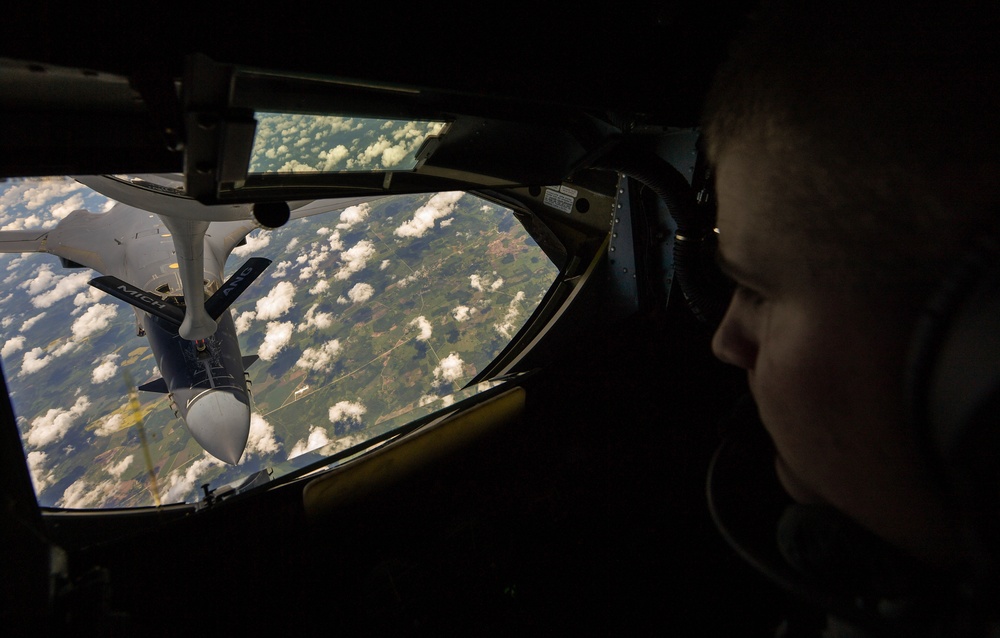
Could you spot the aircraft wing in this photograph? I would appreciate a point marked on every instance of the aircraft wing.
(23, 241)
(223, 237)
(320, 206)
(155, 195)
(82, 238)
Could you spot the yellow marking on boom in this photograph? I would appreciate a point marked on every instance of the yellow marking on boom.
(135, 418)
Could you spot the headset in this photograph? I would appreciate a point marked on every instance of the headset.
(953, 387)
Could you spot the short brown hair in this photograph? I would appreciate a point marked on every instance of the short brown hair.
(880, 125)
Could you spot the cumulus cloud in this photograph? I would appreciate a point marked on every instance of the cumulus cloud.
(84, 494)
(355, 258)
(277, 302)
(317, 438)
(28, 323)
(423, 326)
(319, 359)
(34, 360)
(181, 482)
(412, 277)
(439, 206)
(44, 278)
(96, 318)
(64, 287)
(361, 292)
(41, 476)
(281, 269)
(11, 346)
(262, 440)
(105, 370)
(276, 338)
(450, 368)
(321, 286)
(117, 469)
(334, 241)
(244, 320)
(88, 296)
(110, 424)
(347, 412)
(354, 215)
(507, 326)
(462, 313)
(255, 243)
(334, 156)
(316, 319)
(55, 423)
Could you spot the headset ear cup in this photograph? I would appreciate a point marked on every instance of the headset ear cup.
(954, 389)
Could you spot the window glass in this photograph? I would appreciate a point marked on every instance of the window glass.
(366, 315)
(298, 143)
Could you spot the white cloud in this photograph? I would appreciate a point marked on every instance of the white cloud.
(462, 313)
(255, 243)
(55, 423)
(319, 359)
(34, 360)
(385, 264)
(88, 296)
(117, 469)
(11, 346)
(346, 411)
(355, 258)
(317, 439)
(67, 206)
(277, 302)
(354, 215)
(424, 326)
(412, 277)
(105, 370)
(314, 319)
(43, 278)
(97, 317)
(84, 494)
(244, 320)
(321, 286)
(181, 482)
(28, 323)
(450, 368)
(361, 292)
(64, 287)
(438, 206)
(507, 326)
(281, 269)
(277, 337)
(334, 241)
(41, 476)
(110, 424)
(334, 157)
(262, 440)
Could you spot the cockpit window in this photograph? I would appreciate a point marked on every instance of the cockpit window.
(367, 316)
(300, 143)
